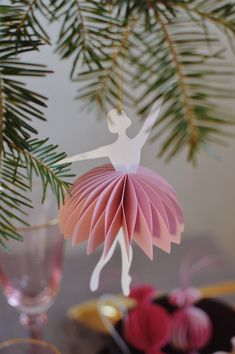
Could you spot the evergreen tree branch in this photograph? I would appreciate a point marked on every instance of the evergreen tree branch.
(19, 104)
(13, 190)
(28, 10)
(19, 166)
(188, 110)
(1, 118)
(42, 159)
(78, 37)
(83, 30)
(173, 55)
(104, 83)
(21, 157)
(220, 13)
(28, 26)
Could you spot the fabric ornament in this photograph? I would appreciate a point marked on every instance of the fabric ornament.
(148, 328)
(191, 326)
(143, 293)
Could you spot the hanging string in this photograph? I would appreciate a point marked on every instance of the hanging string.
(119, 80)
(189, 267)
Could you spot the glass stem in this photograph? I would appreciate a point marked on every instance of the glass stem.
(34, 323)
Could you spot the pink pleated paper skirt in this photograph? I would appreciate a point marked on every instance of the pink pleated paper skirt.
(103, 201)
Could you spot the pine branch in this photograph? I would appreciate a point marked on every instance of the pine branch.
(102, 87)
(188, 110)
(28, 26)
(13, 189)
(220, 13)
(180, 63)
(42, 160)
(19, 104)
(12, 45)
(84, 34)
(19, 166)
(1, 118)
(21, 157)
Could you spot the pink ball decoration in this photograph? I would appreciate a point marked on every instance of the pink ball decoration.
(142, 293)
(191, 329)
(148, 328)
(185, 296)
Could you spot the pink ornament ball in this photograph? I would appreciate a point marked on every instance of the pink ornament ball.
(143, 293)
(148, 328)
(191, 329)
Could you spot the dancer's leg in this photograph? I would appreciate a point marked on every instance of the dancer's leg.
(126, 264)
(95, 277)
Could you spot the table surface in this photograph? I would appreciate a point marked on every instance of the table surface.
(163, 272)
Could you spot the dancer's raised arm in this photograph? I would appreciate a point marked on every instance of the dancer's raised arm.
(103, 151)
(143, 134)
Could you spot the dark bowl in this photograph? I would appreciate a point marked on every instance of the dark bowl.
(223, 322)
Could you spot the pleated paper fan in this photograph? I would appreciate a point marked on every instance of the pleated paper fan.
(103, 200)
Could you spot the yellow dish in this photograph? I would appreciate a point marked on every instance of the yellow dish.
(91, 314)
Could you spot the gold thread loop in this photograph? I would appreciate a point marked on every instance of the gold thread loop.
(119, 106)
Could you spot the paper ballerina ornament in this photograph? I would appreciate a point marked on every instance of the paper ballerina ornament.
(121, 202)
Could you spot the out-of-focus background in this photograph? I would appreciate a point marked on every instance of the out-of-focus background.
(207, 191)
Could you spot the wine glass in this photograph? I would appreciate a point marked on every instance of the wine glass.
(24, 346)
(31, 270)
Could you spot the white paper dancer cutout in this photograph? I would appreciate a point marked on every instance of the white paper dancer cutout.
(121, 202)
(124, 153)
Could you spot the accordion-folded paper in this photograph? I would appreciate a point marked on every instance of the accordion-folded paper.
(103, 200)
